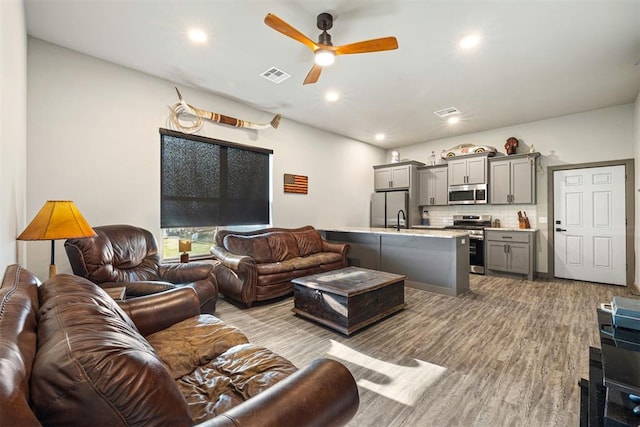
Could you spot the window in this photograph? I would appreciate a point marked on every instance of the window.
(207, 183)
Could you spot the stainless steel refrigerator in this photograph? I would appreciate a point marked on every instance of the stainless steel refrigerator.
(385, 206)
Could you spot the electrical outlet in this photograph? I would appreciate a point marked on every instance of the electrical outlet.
(542, 220)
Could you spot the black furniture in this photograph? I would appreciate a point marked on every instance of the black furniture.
(614, 373)
(348, 299)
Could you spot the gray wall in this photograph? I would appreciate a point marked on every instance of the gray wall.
(636, 155)
(606, 134)
(13, 129)
(93, 138)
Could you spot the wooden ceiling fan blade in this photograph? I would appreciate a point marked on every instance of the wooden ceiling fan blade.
(283, 27)
(374, 45)
(314, 74)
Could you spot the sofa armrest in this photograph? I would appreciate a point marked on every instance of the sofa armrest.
(152, 313)
(237, 275)
(341, 248)
(140, 288)
(231, 260)
(186, 272)
(324, 393)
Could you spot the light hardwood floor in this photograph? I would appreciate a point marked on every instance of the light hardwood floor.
(507, 353)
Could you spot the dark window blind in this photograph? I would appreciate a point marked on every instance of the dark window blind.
(208, 182)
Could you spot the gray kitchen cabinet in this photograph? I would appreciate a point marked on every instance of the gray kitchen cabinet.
(468, 170)
(400, 176)
(513, 179)
(433, 185)
(397, 176)
(392, 178)
(510, 252)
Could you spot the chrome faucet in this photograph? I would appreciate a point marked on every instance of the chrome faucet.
(398, 219)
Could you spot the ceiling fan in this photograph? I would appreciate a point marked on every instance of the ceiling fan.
(325, 52)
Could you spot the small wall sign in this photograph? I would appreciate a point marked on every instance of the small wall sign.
(295, 183)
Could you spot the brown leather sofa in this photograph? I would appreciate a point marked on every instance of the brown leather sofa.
(125, 255)
(259, 265)
(70, 355)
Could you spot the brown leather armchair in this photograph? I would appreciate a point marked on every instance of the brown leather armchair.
(72, 356)
(125, 255)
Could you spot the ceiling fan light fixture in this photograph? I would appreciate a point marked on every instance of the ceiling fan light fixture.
(325, 57)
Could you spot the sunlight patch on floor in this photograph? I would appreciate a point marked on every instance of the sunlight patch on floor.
(404, 384)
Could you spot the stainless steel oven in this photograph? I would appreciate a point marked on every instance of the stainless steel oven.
(475, 225)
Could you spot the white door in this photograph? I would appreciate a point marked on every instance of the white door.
(589, 224)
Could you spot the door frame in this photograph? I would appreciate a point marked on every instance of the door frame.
(629, 211)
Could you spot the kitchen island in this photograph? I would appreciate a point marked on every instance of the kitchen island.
(433, 260)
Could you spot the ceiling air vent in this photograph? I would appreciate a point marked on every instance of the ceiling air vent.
(446, 112)
(275, 75)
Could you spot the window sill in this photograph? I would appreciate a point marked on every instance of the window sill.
(191, 259)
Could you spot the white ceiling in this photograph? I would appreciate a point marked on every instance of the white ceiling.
(537, 58)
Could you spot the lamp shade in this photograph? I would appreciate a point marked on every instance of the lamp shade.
(184, 245)
(57, 219)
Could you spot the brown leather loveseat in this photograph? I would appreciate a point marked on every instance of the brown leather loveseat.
(71, 356)
(259, 265)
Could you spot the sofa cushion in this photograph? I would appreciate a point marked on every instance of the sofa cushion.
(94, 366)
(201, 339)
(276, 267)
(283, 246)
(257, 247)
(315, 260)
(18, 308)
(309, 242)
(236, 375)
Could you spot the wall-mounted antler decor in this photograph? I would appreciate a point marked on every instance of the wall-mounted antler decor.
(197, 116)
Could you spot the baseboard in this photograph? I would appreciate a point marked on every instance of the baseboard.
(539, 275)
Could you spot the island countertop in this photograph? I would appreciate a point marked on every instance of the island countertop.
(432, 260)
(440, 233)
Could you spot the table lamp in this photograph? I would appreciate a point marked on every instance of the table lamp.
(184, 246)
(57, 219)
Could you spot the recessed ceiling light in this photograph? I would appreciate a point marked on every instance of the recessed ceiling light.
(379, 136)
(197, 36)
(470, 41)
(332, 96)
(453, 120)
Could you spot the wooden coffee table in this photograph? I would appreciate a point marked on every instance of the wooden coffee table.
(348, 299)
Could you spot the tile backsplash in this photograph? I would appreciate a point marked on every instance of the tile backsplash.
(507, 214)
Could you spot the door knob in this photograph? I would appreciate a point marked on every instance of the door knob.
(561, 229)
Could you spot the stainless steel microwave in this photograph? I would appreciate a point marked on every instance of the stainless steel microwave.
(468, 194)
